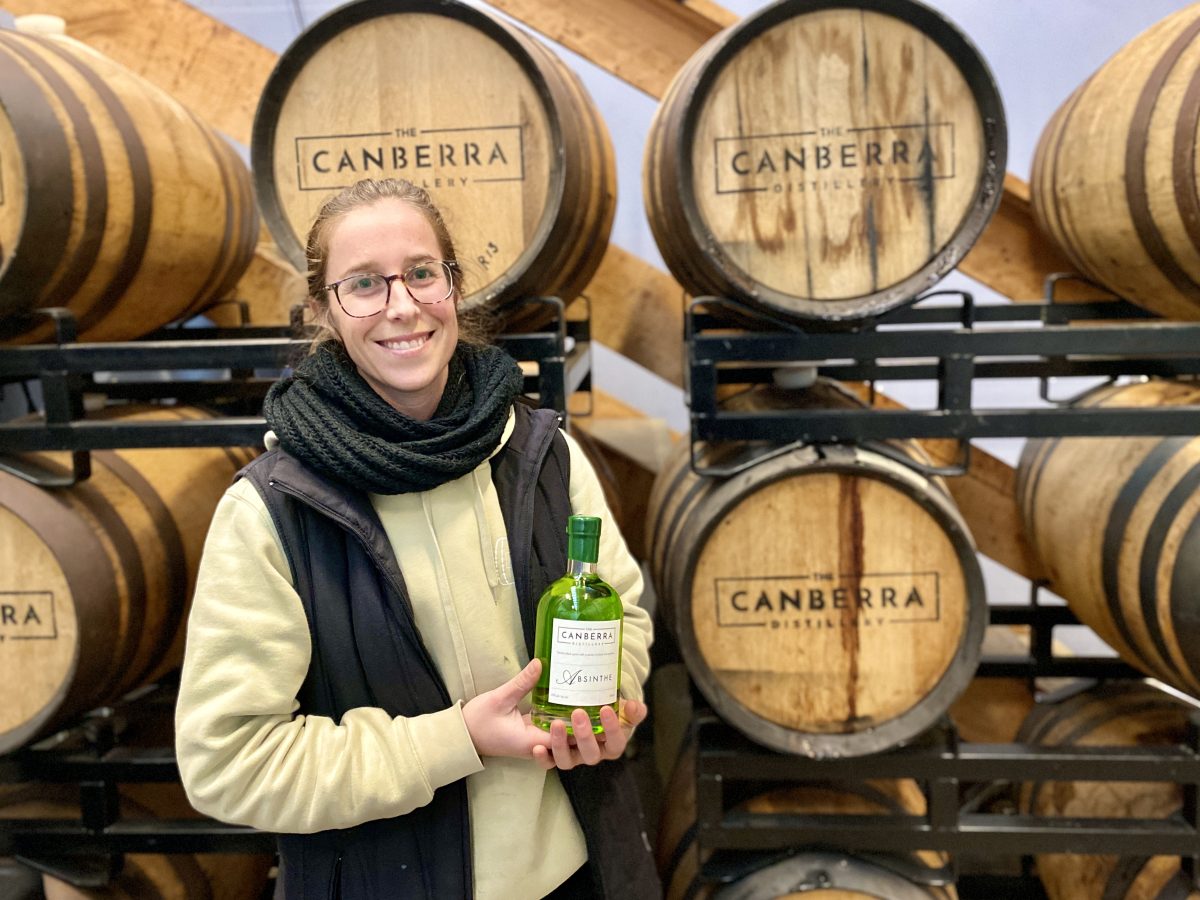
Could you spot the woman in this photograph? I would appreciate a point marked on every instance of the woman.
(358, 654)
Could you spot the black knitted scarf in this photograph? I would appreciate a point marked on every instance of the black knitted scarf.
(328, 417)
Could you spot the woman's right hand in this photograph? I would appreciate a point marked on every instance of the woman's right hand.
(496, 725)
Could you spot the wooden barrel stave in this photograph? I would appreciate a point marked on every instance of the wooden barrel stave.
(992, 710)
(1114, 520)
(1114, 714)
(1114, 179)
(537, 226)
(776, 229)
(143, 213)
(97, 577)
(812, 690)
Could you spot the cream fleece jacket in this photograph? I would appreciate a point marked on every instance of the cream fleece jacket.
(246, 757)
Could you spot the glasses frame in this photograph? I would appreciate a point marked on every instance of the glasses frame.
(450, 265)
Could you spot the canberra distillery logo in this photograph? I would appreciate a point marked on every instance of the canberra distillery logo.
(593, 634)
(27, 615)
(432, 158)
(834, 158)
(824, 600)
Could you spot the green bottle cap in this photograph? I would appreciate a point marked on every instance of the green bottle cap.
(583, 538)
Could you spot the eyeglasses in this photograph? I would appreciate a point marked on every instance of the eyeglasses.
(368, 293)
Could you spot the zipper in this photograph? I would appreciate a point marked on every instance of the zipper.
(335, 880)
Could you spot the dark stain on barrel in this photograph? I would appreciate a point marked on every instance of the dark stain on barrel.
(871, 233)
(787, 217)
(850, 569)
(870, 227)
(866, 57)
(925, 182)
(749, 202)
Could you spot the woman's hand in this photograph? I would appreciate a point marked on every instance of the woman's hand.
(497, 727)
(586, 748)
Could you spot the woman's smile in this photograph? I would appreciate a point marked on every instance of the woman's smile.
(405, 346)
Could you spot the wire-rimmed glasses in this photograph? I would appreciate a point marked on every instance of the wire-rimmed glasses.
(367, 293)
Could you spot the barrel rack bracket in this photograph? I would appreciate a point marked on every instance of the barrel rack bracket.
(954, 344)
(228, 369)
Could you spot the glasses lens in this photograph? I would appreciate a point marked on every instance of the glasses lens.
(363, 295)
(429, 282)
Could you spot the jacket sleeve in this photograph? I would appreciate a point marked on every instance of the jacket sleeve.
(618, 568)
(244, 755)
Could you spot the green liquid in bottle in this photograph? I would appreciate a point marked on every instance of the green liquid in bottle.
(578, 638)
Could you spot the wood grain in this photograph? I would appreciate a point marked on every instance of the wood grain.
(1011, 256)
(851, 177)
(817, 605)
(642, 42)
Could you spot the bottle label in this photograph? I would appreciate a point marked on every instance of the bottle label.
(584, 660)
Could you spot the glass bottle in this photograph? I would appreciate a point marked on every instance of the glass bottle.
(578, 637)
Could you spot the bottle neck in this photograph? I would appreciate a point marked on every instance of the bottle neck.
(579, 567)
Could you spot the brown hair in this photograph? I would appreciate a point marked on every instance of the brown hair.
(475, 326)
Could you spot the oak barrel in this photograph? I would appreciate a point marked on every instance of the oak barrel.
(95, 578)
(143, 876)
(1115, 714)
(827, 600)
(1116, 169)
(825, 161)
(115, 201)
(992, 709)
(491, 122)
(1116, 523)
(811, 871)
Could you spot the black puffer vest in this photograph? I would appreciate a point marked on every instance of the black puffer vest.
(366, 651)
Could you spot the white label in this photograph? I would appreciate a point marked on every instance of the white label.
(585, 658)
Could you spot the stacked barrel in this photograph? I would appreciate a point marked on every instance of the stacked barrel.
(117, 203)
(1115, 174)
(126, 210)
(857, 181)
(493, 124)
(123, 208)
(819, 164)
(1114, 520)
(826, 600)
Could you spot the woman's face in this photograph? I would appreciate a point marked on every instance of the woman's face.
(404, 351)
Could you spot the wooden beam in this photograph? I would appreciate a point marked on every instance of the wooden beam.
(1014, 258)
(642, 42)
(632, 450)
(637, 310)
